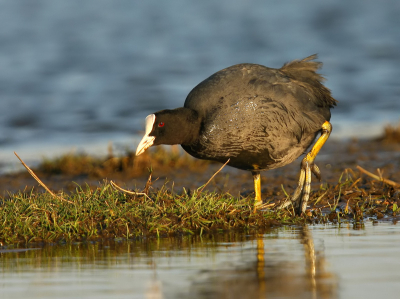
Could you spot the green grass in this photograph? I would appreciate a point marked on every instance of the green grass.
(107, 213)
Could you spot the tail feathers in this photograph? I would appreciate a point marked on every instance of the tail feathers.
(305, 71)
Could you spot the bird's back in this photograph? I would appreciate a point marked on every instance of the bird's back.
(259, 117)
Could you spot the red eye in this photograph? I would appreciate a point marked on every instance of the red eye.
(161, 124)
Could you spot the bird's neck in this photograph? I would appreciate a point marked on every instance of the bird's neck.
(190, 125)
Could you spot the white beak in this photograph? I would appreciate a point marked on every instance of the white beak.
(147, 140)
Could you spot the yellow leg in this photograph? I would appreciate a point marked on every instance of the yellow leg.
(308, 166)
(257, 187)
(326, 131)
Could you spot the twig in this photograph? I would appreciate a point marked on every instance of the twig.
(319, 198)
(205, 185)
(266, 205)
(127, 191)
(148, 184)
(40, 182)
(355, 183)
(386, 181)
(380, 173)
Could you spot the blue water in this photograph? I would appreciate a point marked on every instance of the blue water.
(80, 74)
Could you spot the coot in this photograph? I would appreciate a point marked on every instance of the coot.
(258, 117)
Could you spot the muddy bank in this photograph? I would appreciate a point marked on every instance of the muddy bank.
(87, 207)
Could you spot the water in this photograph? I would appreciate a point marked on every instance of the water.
(314, 262)
(79, 74)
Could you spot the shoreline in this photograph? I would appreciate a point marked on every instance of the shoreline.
(93, 209)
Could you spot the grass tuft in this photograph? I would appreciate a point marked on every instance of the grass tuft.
(108, 213)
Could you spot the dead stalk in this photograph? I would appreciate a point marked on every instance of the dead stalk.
(127, 191)
(378, 178)
(40, 182)
(205, 185)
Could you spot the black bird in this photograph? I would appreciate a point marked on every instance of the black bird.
(258, 117)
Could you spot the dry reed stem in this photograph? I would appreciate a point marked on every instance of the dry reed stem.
(321, 197)
(378, 178)
(127, 191)
(355, 183)
(40, 182)
(148, 184)
(266, 205)
(205, 185)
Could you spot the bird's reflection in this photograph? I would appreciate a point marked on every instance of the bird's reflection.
(296, 271)
(310, 258)
(261, 265)
(315, 284)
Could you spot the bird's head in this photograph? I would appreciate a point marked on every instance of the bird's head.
(178, 126)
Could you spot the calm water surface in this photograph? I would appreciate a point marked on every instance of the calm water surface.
(312, 262)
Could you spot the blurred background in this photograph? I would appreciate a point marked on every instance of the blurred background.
(80, 74)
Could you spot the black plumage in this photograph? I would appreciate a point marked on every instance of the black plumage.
(258, 117)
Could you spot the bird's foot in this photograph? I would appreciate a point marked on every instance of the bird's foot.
(302, 193)
(257, 205)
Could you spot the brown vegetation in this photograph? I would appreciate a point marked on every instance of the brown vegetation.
(391, 134)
